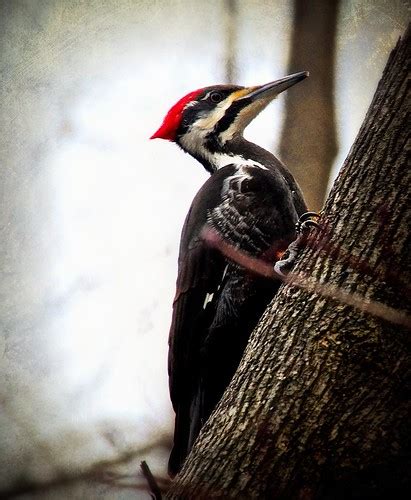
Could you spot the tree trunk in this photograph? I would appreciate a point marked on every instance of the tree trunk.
(230, 42)
(318, 406)
(308, 141)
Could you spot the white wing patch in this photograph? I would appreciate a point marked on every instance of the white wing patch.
(208, 298)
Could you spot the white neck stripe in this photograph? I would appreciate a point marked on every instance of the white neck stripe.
(220, 160)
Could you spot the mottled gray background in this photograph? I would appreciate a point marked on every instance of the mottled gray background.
(90, 210)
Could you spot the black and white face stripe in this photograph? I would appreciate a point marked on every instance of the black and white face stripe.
(205, 105)
(216, 116)
(229, 117)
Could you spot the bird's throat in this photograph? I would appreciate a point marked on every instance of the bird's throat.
(243, 153)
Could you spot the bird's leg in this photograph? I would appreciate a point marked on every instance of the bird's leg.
(283, 266)
(304, 223)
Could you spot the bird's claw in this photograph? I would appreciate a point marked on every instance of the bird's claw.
(306, 221)
(283, 266)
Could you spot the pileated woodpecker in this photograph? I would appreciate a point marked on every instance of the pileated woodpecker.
(254, 203)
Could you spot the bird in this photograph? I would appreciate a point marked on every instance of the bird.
(254, 203)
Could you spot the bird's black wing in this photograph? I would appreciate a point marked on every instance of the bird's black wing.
(200, 270)
(251, 208)
(257, 218)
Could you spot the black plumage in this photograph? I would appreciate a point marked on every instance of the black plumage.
(253, 203)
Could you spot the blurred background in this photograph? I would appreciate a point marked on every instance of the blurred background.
(91, 210)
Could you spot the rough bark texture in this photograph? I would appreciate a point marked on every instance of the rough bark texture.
(318, 407)
(308, 140)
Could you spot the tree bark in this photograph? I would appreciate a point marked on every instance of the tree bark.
(309, 138)
(318, 407)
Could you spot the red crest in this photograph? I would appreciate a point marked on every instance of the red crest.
(168, 129)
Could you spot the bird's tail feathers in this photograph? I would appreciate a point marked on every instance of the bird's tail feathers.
(188, 423)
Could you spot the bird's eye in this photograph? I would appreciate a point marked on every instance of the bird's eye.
(215, 97)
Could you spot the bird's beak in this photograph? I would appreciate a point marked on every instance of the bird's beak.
(271, 90)
(250, 101)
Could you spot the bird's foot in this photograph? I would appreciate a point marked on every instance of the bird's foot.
(304, 223)
(284, 266)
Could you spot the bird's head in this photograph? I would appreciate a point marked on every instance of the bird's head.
(205, 121)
